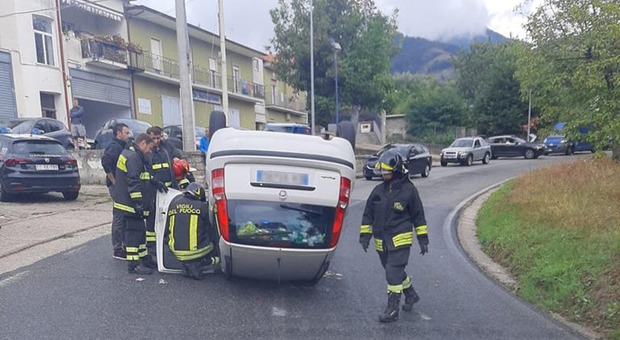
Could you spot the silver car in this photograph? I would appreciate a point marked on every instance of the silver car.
(467, 150)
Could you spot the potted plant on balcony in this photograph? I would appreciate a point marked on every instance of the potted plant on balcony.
(134, 47)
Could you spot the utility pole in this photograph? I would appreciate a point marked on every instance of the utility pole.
(529, 117)
(185, 63)
(311, 66)
(224, 69)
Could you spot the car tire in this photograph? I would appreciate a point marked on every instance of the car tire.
(444, 163)
(486, 159)
(70, 195)
(529, 154)
(469, 160)
(4, 196)
(217, 120)
(346, 130)
(427, 171)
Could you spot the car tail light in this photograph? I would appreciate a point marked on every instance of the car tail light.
(15, 161)
(217, 183)
(341, 207)
(71, 163)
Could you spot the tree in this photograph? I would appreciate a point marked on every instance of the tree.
(367, 40)
(574, 64)
(485, 78)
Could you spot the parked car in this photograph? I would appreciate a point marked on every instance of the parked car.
(558, 144)
(46, 126)
(175, 135)
(512, 146)
(467, 150)
(105, 134)
(289, 128)
(416, 157)
(36, 164)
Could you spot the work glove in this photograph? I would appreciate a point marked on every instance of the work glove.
(160, 186)
(423, 248)
(139, 211)
(365, 242)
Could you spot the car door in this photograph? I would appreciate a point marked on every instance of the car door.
(497, 146)
(512, 147)
(412, 160)
(478, 151)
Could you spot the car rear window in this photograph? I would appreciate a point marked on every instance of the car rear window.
(554, 139)
(42, 147)
(279, 224)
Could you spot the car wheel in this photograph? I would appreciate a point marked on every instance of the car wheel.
(346, 130)
(469, 160)
(444, 163)
(529, 154)
(427, 171)
(486, 158)
(217, 120)
(4, 196)
(70, 195)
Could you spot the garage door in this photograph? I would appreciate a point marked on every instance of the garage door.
(8, 108)
(97, 87)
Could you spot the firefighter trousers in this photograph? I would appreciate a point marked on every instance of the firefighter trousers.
(118, 233)
(394, 263)
(135, 238)
(151, 236)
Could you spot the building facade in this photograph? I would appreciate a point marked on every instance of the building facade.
(120, 61)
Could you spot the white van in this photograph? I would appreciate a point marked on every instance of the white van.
(278, 201)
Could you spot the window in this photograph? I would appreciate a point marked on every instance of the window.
(213, 73)
(236, 78)
(43, 40)
(274, 84)
(477, 143)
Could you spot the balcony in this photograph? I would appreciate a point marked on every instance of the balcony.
(206, 77)
(246, 88)
(105, 54)
(285, 102)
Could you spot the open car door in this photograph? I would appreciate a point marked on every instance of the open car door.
(166, 261)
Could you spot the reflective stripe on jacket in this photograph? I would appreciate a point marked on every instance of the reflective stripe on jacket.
(189, 234)
(132, 186)
(392, 211)
(161, 167)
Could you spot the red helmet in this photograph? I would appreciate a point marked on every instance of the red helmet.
(180, 168)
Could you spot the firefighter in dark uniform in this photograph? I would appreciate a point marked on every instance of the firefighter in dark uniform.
(393, 211)
(190, 236)
(133, 189)
(160, 161)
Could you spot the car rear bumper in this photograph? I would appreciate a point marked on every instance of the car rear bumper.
(17, 183)
(555, 149)
(275, 264)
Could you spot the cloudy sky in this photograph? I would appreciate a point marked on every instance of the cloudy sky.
(248, 21)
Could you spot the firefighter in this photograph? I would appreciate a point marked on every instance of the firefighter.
(393, 210)
(160, 161)
(109, 161)
(189, 234)
(131, 193)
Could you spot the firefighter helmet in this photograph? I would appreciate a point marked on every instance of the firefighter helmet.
(180, 168)
(196, 191)
(390, 161)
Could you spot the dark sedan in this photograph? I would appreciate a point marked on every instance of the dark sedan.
(417, 159)
(105, 135)
(559, 144)
(46, 126)
(512, 146)
(175, 135)
(36, 164)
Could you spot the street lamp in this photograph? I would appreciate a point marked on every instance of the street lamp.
(337, 49)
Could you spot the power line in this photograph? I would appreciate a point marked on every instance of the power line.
(46, 9)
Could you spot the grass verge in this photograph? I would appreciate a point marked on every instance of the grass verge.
(558, 232)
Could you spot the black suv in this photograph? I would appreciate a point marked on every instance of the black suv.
(36, 164)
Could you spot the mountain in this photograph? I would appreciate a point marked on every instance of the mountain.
(423, 56)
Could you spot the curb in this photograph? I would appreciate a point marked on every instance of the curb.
(465, 217)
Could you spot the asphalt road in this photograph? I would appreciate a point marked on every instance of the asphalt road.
(84, 293)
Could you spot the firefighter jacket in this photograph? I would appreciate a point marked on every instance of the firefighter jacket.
(110, 157)
(392, 211)
(161, 167)
(133, 182)
(188, 231)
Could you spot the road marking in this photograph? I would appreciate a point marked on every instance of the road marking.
(275, 311)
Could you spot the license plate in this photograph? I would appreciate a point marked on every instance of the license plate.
(280, 177)
(449, 156)
(46, 167)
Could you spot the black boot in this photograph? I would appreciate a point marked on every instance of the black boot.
(411, 297)
(148, 262)
(391, 311)
(134, 267)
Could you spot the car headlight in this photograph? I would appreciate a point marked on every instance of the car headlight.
(462, 154)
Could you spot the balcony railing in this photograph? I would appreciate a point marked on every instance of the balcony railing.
(246, 88)
(292, 102)
(206, 77)
(99, 50)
